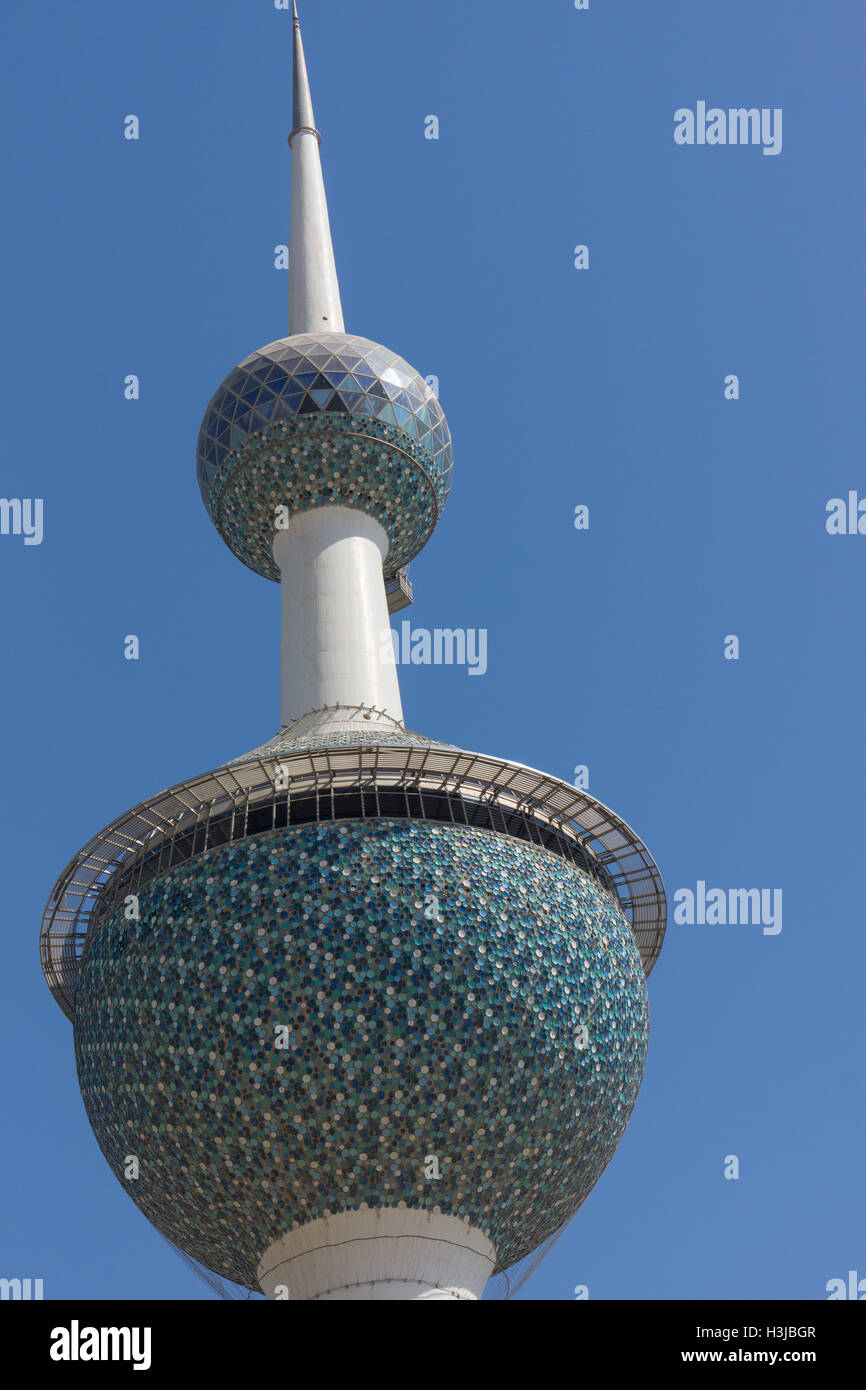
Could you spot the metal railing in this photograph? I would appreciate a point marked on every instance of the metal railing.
(432, 782)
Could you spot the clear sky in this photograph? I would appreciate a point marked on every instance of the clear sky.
(603, 387)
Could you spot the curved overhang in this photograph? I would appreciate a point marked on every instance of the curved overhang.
(237, 797)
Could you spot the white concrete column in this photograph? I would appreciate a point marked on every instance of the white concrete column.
(387, 1254)
(336, 644)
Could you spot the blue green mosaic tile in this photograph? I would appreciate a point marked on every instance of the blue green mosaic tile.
(434, 980)
(321, 419)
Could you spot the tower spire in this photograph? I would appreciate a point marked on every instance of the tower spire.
(314, 291)
(302, 101)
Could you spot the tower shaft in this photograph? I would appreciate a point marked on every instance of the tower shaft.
(336, 630)
(382, 1254)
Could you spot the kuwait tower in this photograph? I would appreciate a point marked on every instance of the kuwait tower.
(358, 1014)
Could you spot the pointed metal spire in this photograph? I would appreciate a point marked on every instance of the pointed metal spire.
(302, 102)
(314, 291)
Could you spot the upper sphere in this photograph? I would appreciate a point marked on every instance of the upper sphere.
(324, 419)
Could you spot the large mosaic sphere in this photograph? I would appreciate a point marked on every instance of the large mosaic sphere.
(319, 419)
(361, 1014)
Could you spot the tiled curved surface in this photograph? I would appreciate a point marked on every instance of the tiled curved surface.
(434, 979)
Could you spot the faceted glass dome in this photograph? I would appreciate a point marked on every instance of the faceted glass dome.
(323, 373)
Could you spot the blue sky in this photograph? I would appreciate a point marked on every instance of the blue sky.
(602, 387)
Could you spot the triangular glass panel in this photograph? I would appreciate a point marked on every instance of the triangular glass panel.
(387, 415)
(322, 397)
(337, 404)
(405, 419)
(392, 377)
(304, 378)
(321, 383)
(308, 407)
(276, 376)
(286, 357)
